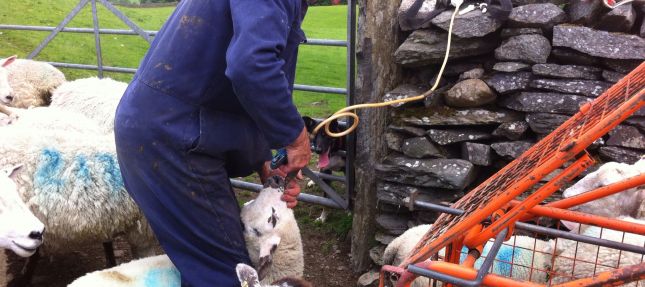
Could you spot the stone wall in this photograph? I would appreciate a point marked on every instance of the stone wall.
(507, 84)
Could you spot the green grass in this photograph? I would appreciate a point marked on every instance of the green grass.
(323, 66)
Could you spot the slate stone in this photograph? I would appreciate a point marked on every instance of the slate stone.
(445, 116)
(424, 47)
(403, 91)
(384, 238)
(535, 102)
(599, 43)
(567, 71)
(512, 130)
(470, 93)
(584, 12)
(511, 150)
(442, 173)
(426, 8)
(399, 194)
(621, 66)
(569, 56)
(587, 88)
(420, 147)
(376, 253)
(524, 48)
(394, 141)
(409, 130)
(642, 32)
(619, 19)
(470, 25)
(510, 32)
(543, 16)
(626, 136)
(526, 2)
(611, 76)
(392, 224)
(476, 153)
(619, 154)
(636, 121)
(505, 83)
(509, 67)
(458, 68)
(445, 137)
(476, 73)
(543, 123)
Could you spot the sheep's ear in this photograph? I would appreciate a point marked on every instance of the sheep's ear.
(12, 172)
(8, 61)
(273, 219)
(247, 275)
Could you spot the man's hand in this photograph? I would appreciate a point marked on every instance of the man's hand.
(292, 189)
(298, 155)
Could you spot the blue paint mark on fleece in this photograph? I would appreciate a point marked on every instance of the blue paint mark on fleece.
(48, 176)
(505, 255)
(162, 277)
(111, 172)
(82, 170)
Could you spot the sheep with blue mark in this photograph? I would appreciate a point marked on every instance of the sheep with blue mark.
(520, 257)
(72, 183)
(272, 239)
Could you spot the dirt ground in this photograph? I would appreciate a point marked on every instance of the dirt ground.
(327, 262)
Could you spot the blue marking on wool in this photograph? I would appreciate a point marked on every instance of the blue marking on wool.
(82, 170)
(162, 277)
(504, 255)
(111, 171)
(48, 176)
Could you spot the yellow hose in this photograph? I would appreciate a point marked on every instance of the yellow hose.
(349, 111)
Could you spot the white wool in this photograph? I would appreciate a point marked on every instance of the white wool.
(55, 119)
(29, 82)
(95, 98)
(158, 271)
(522, 256)
(587, 254)
(625, 203)
(72, 183)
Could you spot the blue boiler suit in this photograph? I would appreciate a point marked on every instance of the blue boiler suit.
(210, 99)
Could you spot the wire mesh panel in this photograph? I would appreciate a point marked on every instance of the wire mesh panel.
(573, 136)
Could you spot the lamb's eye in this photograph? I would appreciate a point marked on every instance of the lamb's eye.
(257, 232)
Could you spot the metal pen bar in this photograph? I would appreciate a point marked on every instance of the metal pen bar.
(302, 196)
(58, 28)
(350, 140)
(97, 40)
(320, 89)
(126, 20)
(326, 42)
(326, 188)
(93, 67)
(544, 230)
(330, 177)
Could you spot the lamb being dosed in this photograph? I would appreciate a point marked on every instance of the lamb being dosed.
(625, 203)
(522, 256)
(27, 83)
(272, 239)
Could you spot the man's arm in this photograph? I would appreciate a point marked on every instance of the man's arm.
(261, 29)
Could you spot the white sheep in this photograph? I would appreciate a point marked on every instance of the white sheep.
(20, 230)
(73, 184)
(272, 240)
(95, 98)
(249, 277)
(53, 118)
(591, 259)
(27, 83)
(522, 256)
(625, 203)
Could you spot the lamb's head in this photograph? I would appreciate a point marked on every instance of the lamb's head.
(20, 230)
(249, 278)
(6, 92)
(263, 221)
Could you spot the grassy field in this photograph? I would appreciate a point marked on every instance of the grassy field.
(317, 65)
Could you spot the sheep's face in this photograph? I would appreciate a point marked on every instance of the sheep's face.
(6, 93)
(261, 219)
(20, 230)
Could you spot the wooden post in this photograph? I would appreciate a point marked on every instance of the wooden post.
(378, 39)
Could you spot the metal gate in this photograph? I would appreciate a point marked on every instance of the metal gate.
(334, 199)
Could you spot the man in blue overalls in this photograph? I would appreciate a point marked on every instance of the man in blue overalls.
(211, 97)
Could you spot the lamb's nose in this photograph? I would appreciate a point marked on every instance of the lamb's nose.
(36, 235)
(10, 98)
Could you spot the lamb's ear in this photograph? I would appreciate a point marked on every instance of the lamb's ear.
(247, 275)
(273, 219)
(8, 61)
(12, 172)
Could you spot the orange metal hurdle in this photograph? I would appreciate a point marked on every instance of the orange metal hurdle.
(495, 198)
